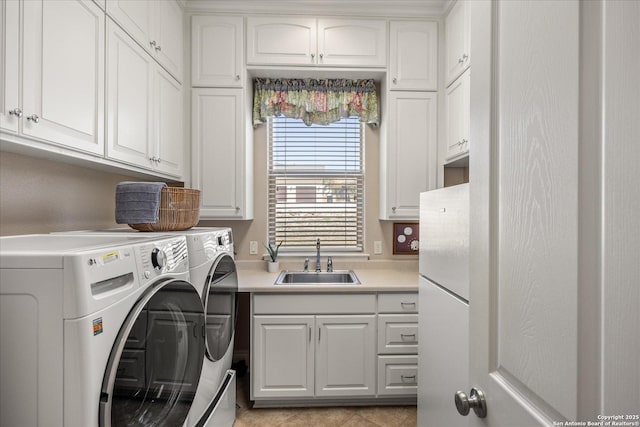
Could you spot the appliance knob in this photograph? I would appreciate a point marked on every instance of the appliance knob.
(158, 259)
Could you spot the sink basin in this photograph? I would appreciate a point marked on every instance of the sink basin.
(338, 277)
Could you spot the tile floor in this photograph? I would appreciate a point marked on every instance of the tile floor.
(351, 416)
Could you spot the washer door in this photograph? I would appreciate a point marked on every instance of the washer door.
(221, 305)
(155, 365)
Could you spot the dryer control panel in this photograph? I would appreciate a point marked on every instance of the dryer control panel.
(163, 256)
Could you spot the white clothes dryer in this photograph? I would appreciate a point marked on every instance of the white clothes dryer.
(213, 272)
(98, 331)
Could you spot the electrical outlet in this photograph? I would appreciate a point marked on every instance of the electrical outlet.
(377, 247)
(253, 247)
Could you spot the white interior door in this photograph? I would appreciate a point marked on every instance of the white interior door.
(554, 243)
(524, 226)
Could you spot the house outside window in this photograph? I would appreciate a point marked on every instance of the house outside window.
(316, 184)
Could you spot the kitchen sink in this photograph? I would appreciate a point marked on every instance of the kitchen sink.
(338, 277)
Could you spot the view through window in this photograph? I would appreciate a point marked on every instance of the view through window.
(316, 184)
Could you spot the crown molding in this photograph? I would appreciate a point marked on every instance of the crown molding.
(355, 8)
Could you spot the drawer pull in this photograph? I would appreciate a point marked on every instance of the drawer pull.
(410, 304)
(404, 378)
(412, 336)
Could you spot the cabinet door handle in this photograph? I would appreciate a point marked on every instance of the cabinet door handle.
(395, 81)
(393, 209)
(313, 55)
(153, 43)
(460, 60)
(158, 48)
(319, 331)
(237, 77)
(321, 57)
(465, 56)
(309, 334)
(408, 377)
(34, 118)
(403, 336)
(412, 304)
(16, 112)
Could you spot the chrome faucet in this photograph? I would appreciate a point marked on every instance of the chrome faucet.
(329, 265)
(318, 267)
(306, 265)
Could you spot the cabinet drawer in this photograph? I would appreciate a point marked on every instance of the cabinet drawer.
(314, 303)
(397, 375)
(398, 333)
(398, 302)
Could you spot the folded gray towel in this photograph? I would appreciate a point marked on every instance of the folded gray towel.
(138, 202)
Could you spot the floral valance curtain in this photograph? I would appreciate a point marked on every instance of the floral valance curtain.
(315, 101)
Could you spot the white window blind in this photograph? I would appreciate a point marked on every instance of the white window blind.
(316, 184)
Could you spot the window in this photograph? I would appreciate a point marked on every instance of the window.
(316, 184)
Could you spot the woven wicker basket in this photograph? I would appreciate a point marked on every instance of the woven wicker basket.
(179, 210)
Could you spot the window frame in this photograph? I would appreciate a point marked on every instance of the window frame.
(273, 194)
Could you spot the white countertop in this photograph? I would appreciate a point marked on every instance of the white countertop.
(375, 276)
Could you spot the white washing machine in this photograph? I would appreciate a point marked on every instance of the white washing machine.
(213, 272)
(98, 331)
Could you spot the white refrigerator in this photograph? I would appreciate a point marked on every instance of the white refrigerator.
(443, 366)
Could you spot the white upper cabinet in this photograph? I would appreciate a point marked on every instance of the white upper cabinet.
(10, 107)
(458, 50)
(144, 109)
(457, 104)
(221, 153)
(352, 43)
(413, 55)
(156, 25)
(62, 74)
(290, 41)
(321, 42)
(408, 154)
(169, 144)
(217, 51)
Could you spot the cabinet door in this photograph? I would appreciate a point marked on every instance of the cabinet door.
(168, 35)
(130, 102)
(63, 73)
(345, 359)
(413, 60)
(282, 362)
(410, 155)
(457, 30)
(351, 42)
(457, 138)
(217, 51)
(286, 40)
(218, 155)
(136, 17)
(10, 108)
(169, 149)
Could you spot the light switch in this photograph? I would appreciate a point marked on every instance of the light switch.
(253, 247)
(377, 247)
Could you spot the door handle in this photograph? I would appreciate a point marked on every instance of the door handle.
(475, 401)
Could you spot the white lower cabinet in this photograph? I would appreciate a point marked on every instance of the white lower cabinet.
(345, 357)
(397, 375)
(315, 347)
(283, 355)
